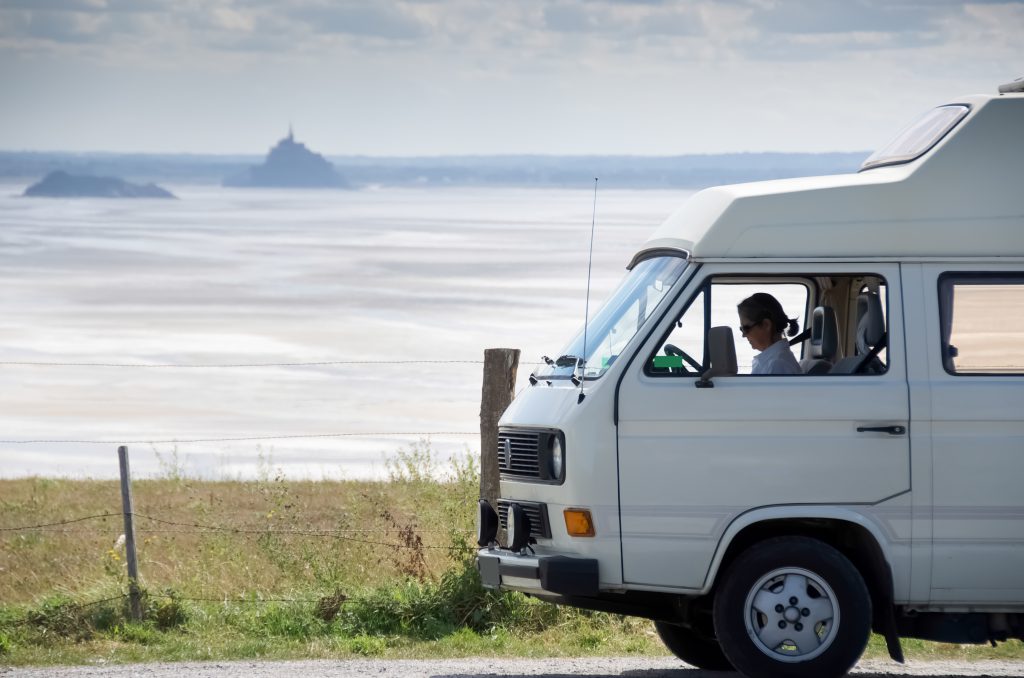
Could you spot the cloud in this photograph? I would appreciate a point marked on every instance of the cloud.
(569, 18)
(87, 6)
(523, 36)
(621, 19)
(29, 25)
(72, 28)
(807, 30)
(231, 19)
(849, 16)
(55, 5)
(366, 20)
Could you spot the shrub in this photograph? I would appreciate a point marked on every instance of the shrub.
(432, 609)
(328, 606)
(166, 610)
(61, 617)
(106, 615)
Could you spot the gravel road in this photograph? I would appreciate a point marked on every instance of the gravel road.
(485, 666)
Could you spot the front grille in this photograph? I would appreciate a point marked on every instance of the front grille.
(519, 453)
(538, 514)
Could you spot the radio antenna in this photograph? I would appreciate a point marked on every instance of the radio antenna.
(582, 361)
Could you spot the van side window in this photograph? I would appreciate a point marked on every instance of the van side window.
(726, 295)
(683, 351)
(843, 323)
(982, 323)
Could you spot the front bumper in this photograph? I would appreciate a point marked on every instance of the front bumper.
(544, 574)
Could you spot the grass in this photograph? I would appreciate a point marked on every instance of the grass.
(265, 557)
(307, 572)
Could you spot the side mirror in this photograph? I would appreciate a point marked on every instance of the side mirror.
(722, 351)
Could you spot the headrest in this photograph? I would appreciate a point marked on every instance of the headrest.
(870, 322)
(824, 333)
(722, 351)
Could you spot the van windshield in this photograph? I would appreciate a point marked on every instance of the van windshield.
(634, 301)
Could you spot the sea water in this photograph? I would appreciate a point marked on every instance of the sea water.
(235, 276)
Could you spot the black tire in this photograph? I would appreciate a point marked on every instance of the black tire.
(693, 648)
(821, 635)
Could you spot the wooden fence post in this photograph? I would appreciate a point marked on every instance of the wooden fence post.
(134, 597)
(500, 365)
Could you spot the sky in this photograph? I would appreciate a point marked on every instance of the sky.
(478, 77)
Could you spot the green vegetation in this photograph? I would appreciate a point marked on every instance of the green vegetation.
(302, 570)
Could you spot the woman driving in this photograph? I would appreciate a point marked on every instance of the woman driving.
(762, 322)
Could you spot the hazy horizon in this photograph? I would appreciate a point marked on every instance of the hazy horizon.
(255, 155)
(633, 172)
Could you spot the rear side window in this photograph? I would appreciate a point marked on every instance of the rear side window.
(982, 318)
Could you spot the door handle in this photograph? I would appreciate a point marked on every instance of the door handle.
(891, 430)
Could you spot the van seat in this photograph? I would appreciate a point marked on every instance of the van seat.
(870, 338)
(824, 341)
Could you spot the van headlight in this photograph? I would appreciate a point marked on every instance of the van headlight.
(557, 457)
(518, 528)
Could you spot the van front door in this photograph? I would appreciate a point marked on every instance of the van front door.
(691, 460)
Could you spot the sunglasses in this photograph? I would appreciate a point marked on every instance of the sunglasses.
(746, 328)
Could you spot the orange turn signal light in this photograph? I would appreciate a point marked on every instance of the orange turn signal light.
(578, 522)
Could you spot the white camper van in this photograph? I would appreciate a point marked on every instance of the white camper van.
(769, 523)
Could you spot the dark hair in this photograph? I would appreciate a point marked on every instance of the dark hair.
(763, 306)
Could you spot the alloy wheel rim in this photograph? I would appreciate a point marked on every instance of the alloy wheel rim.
(791, 615)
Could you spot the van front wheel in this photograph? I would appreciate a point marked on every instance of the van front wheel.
(792, 607)
(693, 648)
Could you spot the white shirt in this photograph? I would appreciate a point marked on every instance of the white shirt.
(776, 359)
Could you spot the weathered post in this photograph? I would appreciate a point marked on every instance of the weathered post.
(500, 365)
(134, 597)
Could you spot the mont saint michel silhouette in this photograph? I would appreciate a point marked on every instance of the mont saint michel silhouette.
(290, 164)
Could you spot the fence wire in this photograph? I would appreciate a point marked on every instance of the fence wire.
(289, 532)
(206, 528)
(174, 441)
(59, 523)
(311, 363)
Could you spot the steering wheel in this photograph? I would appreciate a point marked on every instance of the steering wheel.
(672, 349)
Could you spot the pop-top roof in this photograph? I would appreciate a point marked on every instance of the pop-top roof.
(961, 197)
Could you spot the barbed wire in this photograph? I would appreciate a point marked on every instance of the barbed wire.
(172, 441)
(243, 601)
(289, 532)
(59, 523)
(313, 363)
(105, 533)
(201, 528)
(158, 530)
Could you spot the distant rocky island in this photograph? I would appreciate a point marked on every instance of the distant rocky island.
(669, 172)
(60, 184)
(290, 165)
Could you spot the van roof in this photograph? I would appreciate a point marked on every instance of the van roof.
(961, 198)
